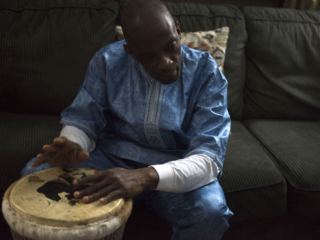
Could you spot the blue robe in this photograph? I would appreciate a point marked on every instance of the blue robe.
(131, 115)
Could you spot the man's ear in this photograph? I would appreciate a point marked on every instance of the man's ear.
(178, 27)
(128, 49)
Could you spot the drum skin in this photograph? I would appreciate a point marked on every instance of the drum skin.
(41, 206)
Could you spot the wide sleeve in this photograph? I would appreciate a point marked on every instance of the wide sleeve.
(87, 111)
(210, 125)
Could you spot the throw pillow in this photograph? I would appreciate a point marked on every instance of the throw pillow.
(214, 42)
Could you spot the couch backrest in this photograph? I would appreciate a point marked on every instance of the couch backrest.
(197, 17)
(201, 17)
(283, 64)
(45, 49)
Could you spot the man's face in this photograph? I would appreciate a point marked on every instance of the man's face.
(159, 52)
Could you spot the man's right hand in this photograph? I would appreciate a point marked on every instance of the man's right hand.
(61, 153)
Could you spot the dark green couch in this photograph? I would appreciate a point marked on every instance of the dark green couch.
(272, 165)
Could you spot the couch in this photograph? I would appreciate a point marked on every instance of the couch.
(272, 64)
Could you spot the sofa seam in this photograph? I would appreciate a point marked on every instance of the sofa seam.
(283, 21)
(62, 7)
(198, 15)
(263, 186)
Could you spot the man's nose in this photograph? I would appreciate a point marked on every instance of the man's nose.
(164, 63)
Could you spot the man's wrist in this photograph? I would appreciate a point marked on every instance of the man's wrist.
(152, 178)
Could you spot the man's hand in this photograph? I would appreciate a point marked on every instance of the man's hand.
(61, 153)
(116, 183)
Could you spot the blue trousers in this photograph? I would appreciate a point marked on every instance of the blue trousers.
(195, 215)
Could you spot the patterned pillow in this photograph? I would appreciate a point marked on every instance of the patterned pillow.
(213, 42)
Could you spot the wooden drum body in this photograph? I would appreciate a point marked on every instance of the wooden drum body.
(41, 206)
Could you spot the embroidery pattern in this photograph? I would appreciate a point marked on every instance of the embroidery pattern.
(151, 120)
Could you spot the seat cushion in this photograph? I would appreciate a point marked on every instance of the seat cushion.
(201, 17)
(22, 137)
(46, 47)
(296, 148)
(253, 185)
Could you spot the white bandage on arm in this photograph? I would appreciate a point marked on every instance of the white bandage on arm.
(78, 136)
(186, 174)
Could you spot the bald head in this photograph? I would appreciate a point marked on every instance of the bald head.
(144, 19)
(153, 39)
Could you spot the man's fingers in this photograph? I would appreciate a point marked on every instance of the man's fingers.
(37, 163)
(40, 160)
(103, 193)
(41, 157)
(50, 148)
(61, 153)
(92, 178)
(112, 196)
(95, 188)
(60, 141)
(56, 146)
(47, 156)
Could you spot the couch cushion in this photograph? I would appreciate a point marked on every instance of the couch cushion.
(200, 17)
(296, 148)
(282, 64)
(45, 50)
(22, 137)
(253, 185)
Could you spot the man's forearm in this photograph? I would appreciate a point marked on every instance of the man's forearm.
(186, 174)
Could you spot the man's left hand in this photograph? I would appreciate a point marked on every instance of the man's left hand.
(116, 183)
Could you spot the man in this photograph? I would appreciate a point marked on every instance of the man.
(152, 116)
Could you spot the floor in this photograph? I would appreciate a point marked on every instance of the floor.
(282, 228)
(143, 225)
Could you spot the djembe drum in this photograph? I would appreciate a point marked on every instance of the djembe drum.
(41, 206)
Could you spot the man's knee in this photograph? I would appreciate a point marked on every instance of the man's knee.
(207, 210)
(206, 215)
(217, 211)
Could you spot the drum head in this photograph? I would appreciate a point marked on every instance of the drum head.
(46, 197)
